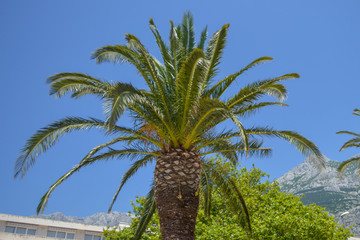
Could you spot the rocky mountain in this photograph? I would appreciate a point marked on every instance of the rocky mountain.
(326, 189)
(102, 219)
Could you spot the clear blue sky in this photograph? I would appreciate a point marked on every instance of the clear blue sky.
(320, 40)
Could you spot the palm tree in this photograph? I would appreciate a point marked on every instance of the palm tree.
(177, 120)
(353, 142)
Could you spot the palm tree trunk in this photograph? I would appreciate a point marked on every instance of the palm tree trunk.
(177, 181)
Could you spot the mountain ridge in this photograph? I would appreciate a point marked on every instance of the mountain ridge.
(326, 189)
(100, 219)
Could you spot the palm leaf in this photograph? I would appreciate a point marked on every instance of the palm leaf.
(121, 53)
(255, 90)
(152, 115)
(163, 50)
(188, 35)
(47, 137)
(117, 99)
(248, 109)
(232, 193)
(188, 82)
(148, 212)
(126, 152)
(253, 150)
(149, 63)
(203, 37)
(174, 48)
(218, 89)
(214, 137)
(177, 49)
(214, 52)
(348, 132)
(136, 134)
(84, 162)
(220, 144)
(241, 128)
(206, 188)
(209, 113)
(304, 145)
(354, 142)
(76, 83)
(345, 164)
(129, 173)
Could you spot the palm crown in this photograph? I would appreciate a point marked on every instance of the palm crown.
(180, 108)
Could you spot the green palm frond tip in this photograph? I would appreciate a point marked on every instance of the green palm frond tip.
(291, 75)
(151, 21)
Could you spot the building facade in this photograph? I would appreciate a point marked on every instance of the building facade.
(18, 227)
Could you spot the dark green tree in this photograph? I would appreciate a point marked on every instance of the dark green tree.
(177, 119)
(353, 142)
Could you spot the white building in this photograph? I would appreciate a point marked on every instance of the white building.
(18, 228)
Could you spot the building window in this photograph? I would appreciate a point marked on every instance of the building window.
(59, 234)
(20, 230)
(93, 237)
(31, 232)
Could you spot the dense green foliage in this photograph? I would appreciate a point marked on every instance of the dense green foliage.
(274, 215)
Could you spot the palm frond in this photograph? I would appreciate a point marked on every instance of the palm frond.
(228, 188)
(116, 54)
(152, 115)
(345, 164)
(208, 114)
(356, 112)
(117, 99)
(188, 83)
(354, 142)
(128, 174)
(147, 213)
(44, 200)
(258, 152)
(219, 144)
(188, 34)
(248, 109)
(175, 48)
(214, 137)
(47, 137)
(214, 52)
(218, 89)
(121, 53)
(304, 145)
(126, 152)
(150, 64)
(185, 33)
(241, 128)
(163, 50)
(348, 132)
(206, 187)
(257, 89)
(227, 149)
(84, 162)
(203, 37)
(138, 135)
(76, 83)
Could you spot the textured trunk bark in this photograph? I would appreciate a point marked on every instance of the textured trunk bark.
(177, 180)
